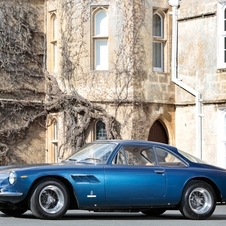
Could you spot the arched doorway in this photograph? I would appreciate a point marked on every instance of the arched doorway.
(158, 133)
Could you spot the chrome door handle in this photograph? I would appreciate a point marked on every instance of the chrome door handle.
(160, 171)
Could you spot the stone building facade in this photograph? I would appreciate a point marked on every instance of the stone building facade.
(124, 52)
(201, 65)
(125, 55)
(110, 51)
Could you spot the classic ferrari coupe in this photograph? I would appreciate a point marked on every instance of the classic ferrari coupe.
(115, 175)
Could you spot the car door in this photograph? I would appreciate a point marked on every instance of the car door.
(134, 184)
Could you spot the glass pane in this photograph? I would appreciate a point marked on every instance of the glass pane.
(55, 57)
(55, 130)
(120, 157)
(225, 127)
(225, 25)
(101, 24)
(224, 56)
(157, 54)
(157, 26)
(224, 49)
(93, 153)
(101, 54)
(54, 19)
(132, 159)
(56, 154)
(225, 19)
(167, 159)
(101, 133)
(149, 155)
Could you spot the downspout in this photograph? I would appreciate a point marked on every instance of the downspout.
(198, 97)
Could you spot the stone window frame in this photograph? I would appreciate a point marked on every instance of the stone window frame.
(52, 139)
(97, 38)
(52, 41)
(221, 146)
(221, 56)
(54, 35)
(159, 39)
(224, 129)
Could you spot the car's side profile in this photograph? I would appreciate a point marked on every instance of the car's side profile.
(115, 175)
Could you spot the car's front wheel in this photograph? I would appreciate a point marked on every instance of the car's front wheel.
(50, 199)
(198, 200)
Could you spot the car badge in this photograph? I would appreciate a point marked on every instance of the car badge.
(91, 195)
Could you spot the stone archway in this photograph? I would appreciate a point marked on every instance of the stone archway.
(158, 133)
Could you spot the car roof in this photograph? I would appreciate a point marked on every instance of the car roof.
(137, 142)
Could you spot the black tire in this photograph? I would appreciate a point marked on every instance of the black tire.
(198, 201)
(154, 212)
(14, 213)
(50, 199)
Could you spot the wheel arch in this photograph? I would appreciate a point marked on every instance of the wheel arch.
(211, 183)
(72, 197)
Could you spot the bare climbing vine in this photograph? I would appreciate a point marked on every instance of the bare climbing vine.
(25, 100)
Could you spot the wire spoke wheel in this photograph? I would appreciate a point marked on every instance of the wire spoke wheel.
(51, 199)
(200, 200)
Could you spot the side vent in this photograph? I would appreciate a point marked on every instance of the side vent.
(85, 179)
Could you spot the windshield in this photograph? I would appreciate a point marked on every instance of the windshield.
(93, 153)
(191, 157)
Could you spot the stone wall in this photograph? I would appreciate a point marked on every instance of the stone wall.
(22, 86)
(197, 67)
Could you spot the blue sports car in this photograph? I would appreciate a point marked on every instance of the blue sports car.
(115, 175)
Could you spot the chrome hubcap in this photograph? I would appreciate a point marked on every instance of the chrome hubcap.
(200, 200)
(51, 199)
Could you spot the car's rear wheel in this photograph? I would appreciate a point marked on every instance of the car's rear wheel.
(13, 212)
(198, 200)
(154, 212)
(50, 199)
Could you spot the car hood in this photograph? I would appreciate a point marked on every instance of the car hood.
(42, 166)
(12, 167)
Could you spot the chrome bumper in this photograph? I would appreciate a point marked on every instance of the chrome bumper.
(10, 193)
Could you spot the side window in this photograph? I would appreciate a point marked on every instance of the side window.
(120, 158)
(167, 159)
(135, 156)
(149, 155)
(158, 42)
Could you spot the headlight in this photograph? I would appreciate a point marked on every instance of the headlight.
(12, 177)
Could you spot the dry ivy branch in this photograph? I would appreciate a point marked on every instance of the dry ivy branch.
(22, 55)
(74, 106)
(21, 60)
(24, 101)
(130, 54)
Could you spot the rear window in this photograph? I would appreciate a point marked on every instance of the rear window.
(191, 157)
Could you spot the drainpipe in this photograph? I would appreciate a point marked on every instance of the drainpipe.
(198, 97)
